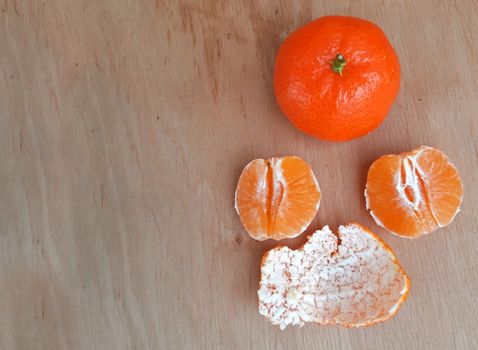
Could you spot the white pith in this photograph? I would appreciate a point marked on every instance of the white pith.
(306, 285)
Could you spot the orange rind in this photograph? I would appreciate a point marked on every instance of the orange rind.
(413, 193)
(277, 198)
(352, 279)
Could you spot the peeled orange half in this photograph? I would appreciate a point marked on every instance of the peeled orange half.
(352, 280)
(277, 198)
(413, 193)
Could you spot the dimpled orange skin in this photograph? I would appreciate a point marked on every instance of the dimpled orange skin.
(323, 103)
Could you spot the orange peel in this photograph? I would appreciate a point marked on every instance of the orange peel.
(352, 279)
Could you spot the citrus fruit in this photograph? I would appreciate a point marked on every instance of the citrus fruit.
(413, 193)
(352, 280)
(336, 77)
(277, 198)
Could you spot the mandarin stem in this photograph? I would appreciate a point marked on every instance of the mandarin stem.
(338, 64)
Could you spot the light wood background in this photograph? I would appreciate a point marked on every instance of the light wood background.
(124, 126)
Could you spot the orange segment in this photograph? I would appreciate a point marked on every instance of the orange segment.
(443, 184)
(277, 198)
(352, 280)
(252, 196)
(413, 193)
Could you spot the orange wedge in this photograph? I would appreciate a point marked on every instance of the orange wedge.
(277, 198)
(352, 280)
(413, 193)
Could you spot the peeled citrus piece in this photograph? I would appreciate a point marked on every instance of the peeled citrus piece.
(277, 198)
(352, 280)
(413, 193)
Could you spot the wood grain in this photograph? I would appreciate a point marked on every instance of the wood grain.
(124, 126)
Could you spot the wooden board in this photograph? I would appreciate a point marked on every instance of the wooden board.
(124, 126)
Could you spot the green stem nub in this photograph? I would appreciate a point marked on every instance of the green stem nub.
(338, 64)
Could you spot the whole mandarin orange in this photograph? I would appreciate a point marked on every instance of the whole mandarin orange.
(336, 77)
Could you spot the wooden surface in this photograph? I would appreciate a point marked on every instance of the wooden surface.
(124, 126)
